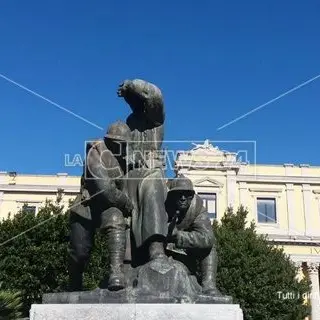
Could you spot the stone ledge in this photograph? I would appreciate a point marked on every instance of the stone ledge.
(136, 312)
(129, 296)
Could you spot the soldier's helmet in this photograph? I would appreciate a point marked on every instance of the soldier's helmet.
(119, 131)
(181, 183)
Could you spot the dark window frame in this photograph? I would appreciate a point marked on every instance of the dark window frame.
(27, 208)
(266, 217)
(205, 196)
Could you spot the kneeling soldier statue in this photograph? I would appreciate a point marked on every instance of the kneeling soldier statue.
(102, 204)
(190, 233)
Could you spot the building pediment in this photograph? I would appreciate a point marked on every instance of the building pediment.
(207, 157)
(206, 148)
(207, 182)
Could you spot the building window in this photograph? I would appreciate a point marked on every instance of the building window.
(266, 210)
(29, 209)
(210, 203)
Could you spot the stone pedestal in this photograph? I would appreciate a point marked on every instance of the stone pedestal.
(160, 289)
(136, 312)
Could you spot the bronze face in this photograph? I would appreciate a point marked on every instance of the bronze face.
(183, 199)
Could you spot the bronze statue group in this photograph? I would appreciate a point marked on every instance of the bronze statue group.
(124, 194)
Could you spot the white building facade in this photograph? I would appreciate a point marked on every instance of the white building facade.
(282, 200)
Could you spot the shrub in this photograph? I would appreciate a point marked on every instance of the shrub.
(34, 254)
(10, 305)
(253, 271)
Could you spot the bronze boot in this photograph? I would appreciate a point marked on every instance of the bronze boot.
(75, 276)
(208, 275)
(116, 240)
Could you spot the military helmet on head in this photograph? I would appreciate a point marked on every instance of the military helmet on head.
(118, 131)
(181, 183)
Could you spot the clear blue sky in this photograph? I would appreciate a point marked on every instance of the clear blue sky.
(213, 60)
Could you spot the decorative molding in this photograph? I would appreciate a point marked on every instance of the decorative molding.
(243, 186)
(12, 176)
(261, 189)
(2, 177)
(298, 237)
(305, 258)
(289, 187)
(215, 159)
(274, 227)
(206, 165)
(288, 169)
(306, 187)
(38, 188)
(299, 272)
(313, 270)
(278, 179)
(199, 174)
(265, 195)
(243, 193)
(290, 208)
(207, 182)
(1, 199)
(313, 267)
(307, 208)
(231, 188)
(29, 201)
(62, 179)
(276, 238)
(206, 147)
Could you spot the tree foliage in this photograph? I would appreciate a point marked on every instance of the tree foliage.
(10, 305)
(254, 272)
(34, 254)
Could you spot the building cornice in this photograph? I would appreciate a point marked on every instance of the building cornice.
(277, 179)
(305, 258)
(206, 165)
(260, 189)
(294, 240)
(59, 174)
(39, 188)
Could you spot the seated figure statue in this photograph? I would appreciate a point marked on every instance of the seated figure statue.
(190, 233)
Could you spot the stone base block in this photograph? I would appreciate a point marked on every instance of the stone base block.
(130, 296)
(136, 312)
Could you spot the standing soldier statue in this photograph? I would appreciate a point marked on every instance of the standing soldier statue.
(102, 204)
(146, 181)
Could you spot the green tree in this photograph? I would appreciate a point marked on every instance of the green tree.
(34, 254)
(254, 272)
(10, 305)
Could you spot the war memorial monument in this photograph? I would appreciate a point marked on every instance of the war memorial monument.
(161, 245)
